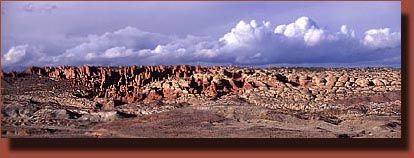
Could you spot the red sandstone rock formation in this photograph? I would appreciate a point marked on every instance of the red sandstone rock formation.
(129, 84)
(211, 91)
(152, 96)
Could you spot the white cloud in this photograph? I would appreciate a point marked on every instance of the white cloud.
(313, 36)
(303, 28)
(303, 41)
(381, 38)
(297, 28)
(24, 55)
(254, 43)
(15, 54)
(117, 52)
(121, 43)
(245, 34)
(127, 37)
(346, 31)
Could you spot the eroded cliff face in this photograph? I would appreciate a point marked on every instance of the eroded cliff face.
(148, 83)
(103, 94)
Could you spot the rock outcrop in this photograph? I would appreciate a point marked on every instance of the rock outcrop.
(131, 84)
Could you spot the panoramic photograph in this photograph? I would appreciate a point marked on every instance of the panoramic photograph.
(201, 69)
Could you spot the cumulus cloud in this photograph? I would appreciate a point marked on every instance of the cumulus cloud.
(297, 28)
(347, 32)
(252, 43)
(246, 34)
(382, 38)
(307, 29)
(23, 55)
(303, 41)
(15, 54)
(126, 42)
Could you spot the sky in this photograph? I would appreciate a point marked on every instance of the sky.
(214, 33)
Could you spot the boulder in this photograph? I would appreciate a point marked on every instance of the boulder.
(362, 82)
